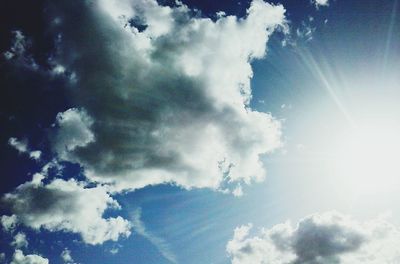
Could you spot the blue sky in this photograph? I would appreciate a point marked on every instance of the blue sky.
(160, 132)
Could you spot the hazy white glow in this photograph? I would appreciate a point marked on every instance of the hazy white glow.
(368, 158)
(355, 143)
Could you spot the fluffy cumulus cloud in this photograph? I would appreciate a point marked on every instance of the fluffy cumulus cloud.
(8, 222)
(318, 239)
(319, 3)
(73, 131)
(20, 240)
(66, 256)
(163, 95)
(20, 258)
(67, 206)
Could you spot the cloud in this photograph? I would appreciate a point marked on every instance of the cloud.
(20, 240)
(22, 147)
(159, 96)
(161, 245)
(18, 46)
(66, 256)
(2, 257)
(306, 30)
(320, 238)
(67, 206)
(319, 3)
(18, 51)
(8, 222)
(114, 250)
(168, 101)
(73, 131)
(20, 258)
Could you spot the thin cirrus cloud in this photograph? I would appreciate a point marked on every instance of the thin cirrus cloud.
(161, 245)
(320, 238)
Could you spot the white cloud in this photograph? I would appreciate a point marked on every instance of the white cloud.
(320, 238)
(20, 240)
(18, 46)
(170, 103)
(238, 191)
(114, 250)
(18, 51)
(319, 3)
(66, 256)
(36, 154)
(20, 258)
(67, 206)
(2, 257)
(58, 69)
(22, 147)
(8, 222)
(73, 131)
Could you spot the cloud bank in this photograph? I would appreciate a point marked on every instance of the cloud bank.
(318, 239)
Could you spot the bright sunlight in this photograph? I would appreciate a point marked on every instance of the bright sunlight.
(368, 158)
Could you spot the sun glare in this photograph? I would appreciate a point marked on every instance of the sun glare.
(368, 159)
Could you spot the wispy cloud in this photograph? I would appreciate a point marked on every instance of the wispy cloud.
(22, 147)
(161, 245)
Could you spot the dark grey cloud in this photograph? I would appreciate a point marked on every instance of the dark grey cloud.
(317, 242)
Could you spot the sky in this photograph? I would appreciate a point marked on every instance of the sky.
(199, 131)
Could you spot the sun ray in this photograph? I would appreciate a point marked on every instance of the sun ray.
(316, 70)
(389, 36)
